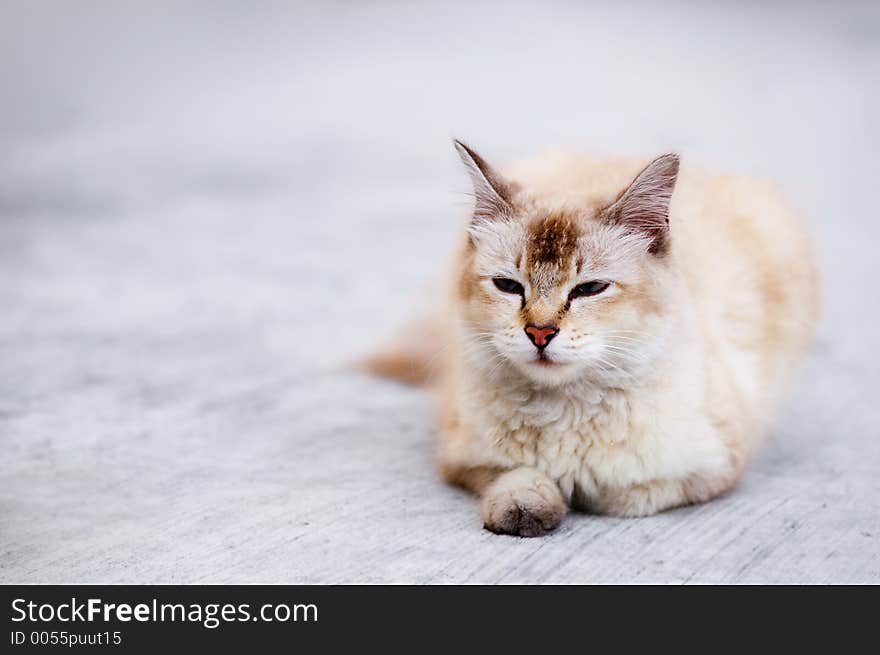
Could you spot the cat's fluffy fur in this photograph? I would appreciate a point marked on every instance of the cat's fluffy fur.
(654, 392)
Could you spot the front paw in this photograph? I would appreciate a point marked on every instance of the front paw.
(522, 502)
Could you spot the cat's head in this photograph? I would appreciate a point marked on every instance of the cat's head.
(561, 291)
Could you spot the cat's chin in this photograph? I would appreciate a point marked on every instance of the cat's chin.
(549, 372)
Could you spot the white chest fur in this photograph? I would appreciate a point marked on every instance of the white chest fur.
(594, 441)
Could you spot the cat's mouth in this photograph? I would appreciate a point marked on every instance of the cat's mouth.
(542, 359)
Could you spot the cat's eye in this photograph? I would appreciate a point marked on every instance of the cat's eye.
(592, 288)
(508, 286)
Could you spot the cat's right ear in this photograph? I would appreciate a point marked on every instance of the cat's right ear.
(492, 193)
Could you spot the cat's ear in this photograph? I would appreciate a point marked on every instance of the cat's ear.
(492, 193)
(644, 206)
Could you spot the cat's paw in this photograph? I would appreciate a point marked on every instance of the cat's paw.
(522, 502)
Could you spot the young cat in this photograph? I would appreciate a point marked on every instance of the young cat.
(619, 336)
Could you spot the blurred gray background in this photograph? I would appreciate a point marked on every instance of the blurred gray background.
(207, 210)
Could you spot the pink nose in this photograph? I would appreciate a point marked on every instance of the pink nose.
(540, 335)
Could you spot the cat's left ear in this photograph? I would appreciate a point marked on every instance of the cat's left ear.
(644, 206)
(492, 193)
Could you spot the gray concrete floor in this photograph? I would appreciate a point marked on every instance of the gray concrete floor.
(206, 212)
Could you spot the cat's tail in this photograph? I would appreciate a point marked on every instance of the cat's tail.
(414, 357)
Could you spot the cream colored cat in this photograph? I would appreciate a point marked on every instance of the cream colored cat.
(619, 337)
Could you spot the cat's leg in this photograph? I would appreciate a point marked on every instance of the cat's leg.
(638, 500)
(516, 500)
(659, 495)
(521, 501)
(715, 477)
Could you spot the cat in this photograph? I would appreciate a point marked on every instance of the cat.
(619, 334)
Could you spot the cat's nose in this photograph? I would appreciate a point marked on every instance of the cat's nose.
(540, 335)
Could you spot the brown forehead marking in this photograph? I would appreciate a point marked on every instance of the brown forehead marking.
(552, 240)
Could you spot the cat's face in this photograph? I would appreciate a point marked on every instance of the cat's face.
(560, 293)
